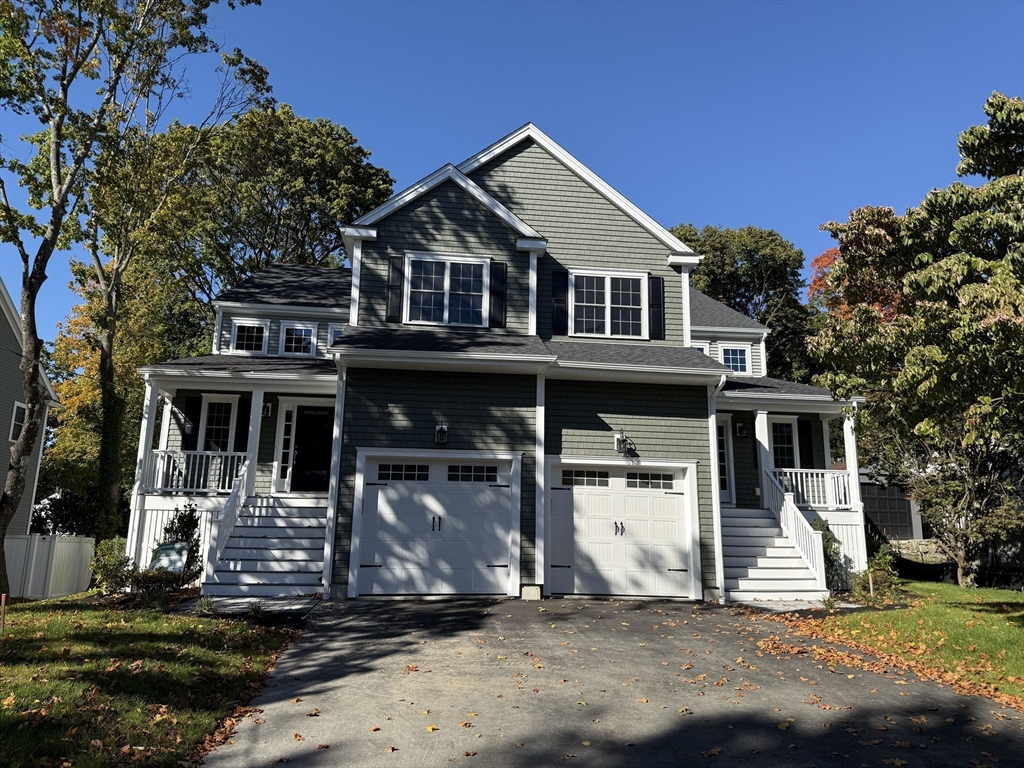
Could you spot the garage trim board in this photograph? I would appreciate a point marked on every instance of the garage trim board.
(663, 530)
(369, 459)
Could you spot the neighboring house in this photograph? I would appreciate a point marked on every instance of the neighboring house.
(12, 408)
(513, 391)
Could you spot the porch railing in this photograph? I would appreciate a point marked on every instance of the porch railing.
(795, 526)
(224, 523)
(194, 471)
(822, 488)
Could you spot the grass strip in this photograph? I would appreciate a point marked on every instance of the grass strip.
(85, 683)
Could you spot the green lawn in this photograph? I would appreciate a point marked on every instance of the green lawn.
(977, 634)
(86, 684)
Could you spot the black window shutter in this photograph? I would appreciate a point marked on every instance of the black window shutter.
(498, 309)
(242, 425)
(803, 429)
(396, 273)
(560, 303)
(656, 307)
(192, 412)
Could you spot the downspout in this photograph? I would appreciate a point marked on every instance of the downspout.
(716, 496)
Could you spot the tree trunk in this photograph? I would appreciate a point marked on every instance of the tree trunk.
(112, 408)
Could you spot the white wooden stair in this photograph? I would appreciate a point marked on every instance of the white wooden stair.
(760, 563)
(276, 549)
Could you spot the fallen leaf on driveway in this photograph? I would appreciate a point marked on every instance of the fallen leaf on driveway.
(296, 700)
(299, 737)
(642, 701)
(894, 761)
(783, 726)
(374, 727)
(713, 752)
(314, 713)
(323, 746)
(586, 743)
(391, 749)
(465, 724)
(469, 753)
(432, 728)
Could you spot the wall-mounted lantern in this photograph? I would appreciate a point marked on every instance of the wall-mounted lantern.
(441, 435)
(621, 442)
(268, 410)
(741, 429)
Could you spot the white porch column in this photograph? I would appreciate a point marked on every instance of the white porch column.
(716, 486)
(686, 307)
(253, 444)
(826, 439)
(764, 446)
(539, 484)
(852, 465)
(534, 256)
(332, 487)
(142, 463)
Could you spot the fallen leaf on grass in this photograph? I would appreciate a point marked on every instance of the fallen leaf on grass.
(713, 752)
(894, 761)
(96, 743)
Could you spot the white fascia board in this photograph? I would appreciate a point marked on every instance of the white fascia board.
(531, 131)
(753, 335)
(234, 381)
(783, 403)
(281, 310)
(10, 311)
(531, 244)
(352, 234)
(414, 358)
(450, 173)
(704, 375)
(690, 259)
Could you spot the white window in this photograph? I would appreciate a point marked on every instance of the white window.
(472, 473)
(334, 331)
(18, 416)
(611, 304)
(785, 444)
(298, 339)
(249, 336)
(446, 290)
(217, 424)
(702, 346)
(652, 480)
(736, 357)
(592, 477)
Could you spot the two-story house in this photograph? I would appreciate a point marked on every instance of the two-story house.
(513, 390)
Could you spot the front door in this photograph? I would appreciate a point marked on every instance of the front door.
(311, 462)
(725, 461)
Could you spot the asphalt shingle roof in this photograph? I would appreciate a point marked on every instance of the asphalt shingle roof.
(294, 285)
(248, 364)
(645, 355)
(439, 340)
(705, 312)
(768, 386)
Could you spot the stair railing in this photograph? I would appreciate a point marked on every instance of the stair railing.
(223, 524)
(795, 526)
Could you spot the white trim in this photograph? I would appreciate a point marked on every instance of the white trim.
(11, 437)
(356, 260)
(531, 244)
(282, 310)
(691, 501)
(278, 486)
(448, 259)
(725, 420)
(331, 328)
(826, 443)
(515, 513)
(534, 256)
(296, 325)
(703, 346)
(764, 447)
(796, 439)
(450, 173)
(217, 323)
(236, 322)
(716, 502)
(752, 335)
(332, 489)
(530, 131)
(764, 357)
(687, 325)
(540, 487)
(252, 439)
(149, 403)
(606, 274)
(220, 397)
(737, 345)
(165, 423)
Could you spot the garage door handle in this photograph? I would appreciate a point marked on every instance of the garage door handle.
(677, 570)
(616, 528)
(432, 519)
(623, 527)
(504, 565)
(499, 485)
(376, 483)
(371, 566)
(561, 566)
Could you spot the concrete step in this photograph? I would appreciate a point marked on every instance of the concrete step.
(272, 566)
(752, 596)
(249, 577)
(754, 584)
(745, 574)
(753, 540)
(259, 590)
(792, 561)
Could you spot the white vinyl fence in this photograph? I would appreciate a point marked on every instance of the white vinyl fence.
(40, 567)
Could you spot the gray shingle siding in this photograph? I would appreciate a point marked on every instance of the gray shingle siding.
(746, 473)
(11, 391)
(444, 220)
(664, 422)
(274, 337)
(399, 409)
(582, 227)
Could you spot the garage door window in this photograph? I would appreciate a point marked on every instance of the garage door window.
(475, 473)
(592, 477)
(403, 472)
(649, 480)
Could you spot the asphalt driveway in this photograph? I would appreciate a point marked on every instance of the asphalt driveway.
(595, 682)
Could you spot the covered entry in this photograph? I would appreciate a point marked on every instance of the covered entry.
(430, 525)
(619, 529)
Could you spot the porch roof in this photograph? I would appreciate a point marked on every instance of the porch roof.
(363, 339)
(749, 386)
(635, 356)
(243, 365)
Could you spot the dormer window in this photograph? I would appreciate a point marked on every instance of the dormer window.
(249, 336)
(447, 290)
(298, 339)
(610, 304)
(736, 357)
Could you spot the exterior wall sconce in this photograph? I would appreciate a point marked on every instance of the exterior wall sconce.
(268, 410)
(741, 429)
(441, 435)
(621, 442)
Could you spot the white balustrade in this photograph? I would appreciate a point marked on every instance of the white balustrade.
(822, 488)
(795, 526)
(224, 523)
(193, 471)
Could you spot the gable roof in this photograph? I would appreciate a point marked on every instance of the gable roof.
(706, 312)
(295, 285)
(10, 312)
(531, 131)
(449, 173)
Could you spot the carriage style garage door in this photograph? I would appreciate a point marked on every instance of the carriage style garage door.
(435, 527)
(621, 531)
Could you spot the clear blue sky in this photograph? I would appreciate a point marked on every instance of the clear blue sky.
(780, 115)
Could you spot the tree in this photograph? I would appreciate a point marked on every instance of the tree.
(932, 334)
(757, 272)
(84, 70)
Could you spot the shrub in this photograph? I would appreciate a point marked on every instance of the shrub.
(184, 526)
(833, 554)
(153, 580)
(111, 566)
(205, 606)
(882, 570)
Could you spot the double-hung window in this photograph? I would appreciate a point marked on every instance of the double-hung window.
(249, 336)
(736, 357)
(611, 304)
(298, 339)
(447, 290)
(19, 414)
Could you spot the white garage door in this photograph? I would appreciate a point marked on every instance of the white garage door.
(617, 531)
(435, 528)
